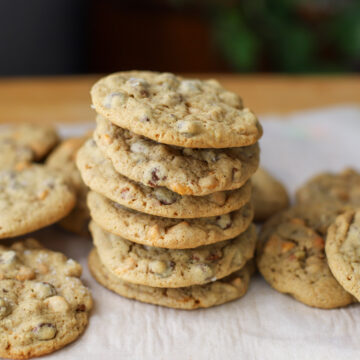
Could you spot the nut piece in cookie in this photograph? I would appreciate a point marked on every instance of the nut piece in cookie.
(45, 310)
(269, 195)
(291, 258)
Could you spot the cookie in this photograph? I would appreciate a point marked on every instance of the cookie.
(343, 188)
(176, 111)
(99, 174)
(291, 258)
(32, 198)
(214, 293)
(342, 251)
(13, 154)
(63, 159)
(167, 232)
(269, 195)
(159, 267)
(182, 170)
(33, 139)
(43, 304)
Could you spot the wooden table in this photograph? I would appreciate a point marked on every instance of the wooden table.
(66, 99)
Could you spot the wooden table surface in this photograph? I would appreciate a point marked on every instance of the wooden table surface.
(66, 99)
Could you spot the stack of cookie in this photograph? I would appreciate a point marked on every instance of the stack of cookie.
(168, 168)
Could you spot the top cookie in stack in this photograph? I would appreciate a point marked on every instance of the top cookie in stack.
(167, 149)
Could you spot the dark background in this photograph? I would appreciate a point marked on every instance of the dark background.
(44, 37)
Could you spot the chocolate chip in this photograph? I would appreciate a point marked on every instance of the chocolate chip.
(45, 331)
(81, 308)
(213, 257)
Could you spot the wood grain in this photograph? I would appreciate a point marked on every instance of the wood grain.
(67, 100)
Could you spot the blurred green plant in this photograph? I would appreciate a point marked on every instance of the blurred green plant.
(294, 36)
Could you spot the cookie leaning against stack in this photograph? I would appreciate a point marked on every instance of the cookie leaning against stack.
(168, 168)
(310, 251)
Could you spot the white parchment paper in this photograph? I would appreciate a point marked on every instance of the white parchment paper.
(262, 325)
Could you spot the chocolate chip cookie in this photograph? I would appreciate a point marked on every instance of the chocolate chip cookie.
(167, 232)
(343, 187)
(159, 267)
(342, 251)
(214, 293)
(32, 197)
(269, 195)
(175, 111)
(99, 174)
(182, 170)
(25, 143)
(43, 304)
(63, 159)
(291, 258)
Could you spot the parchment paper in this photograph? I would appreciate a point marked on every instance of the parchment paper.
(264, 324)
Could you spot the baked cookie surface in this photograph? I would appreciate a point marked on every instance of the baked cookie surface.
(343, 187)
(63, 159)
(291, 258)
(32, 198)
(175, 111)
(99, 174)
(43, 303)
(159, 267)
(343, 251)
(167, 232)
(215, 293)
(185, 171)
(269, 195)
(26, 142)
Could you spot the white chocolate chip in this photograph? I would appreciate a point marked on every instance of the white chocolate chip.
(165, 196)
(190, 86)
(157, 267)
(8, 257)
(115, 99)
(188, 128)
(5, 308)
(57, 304)
(72, 268)
(224, 221)
(138, 82)
(44, 290)
(45, 331)
(140, 147)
